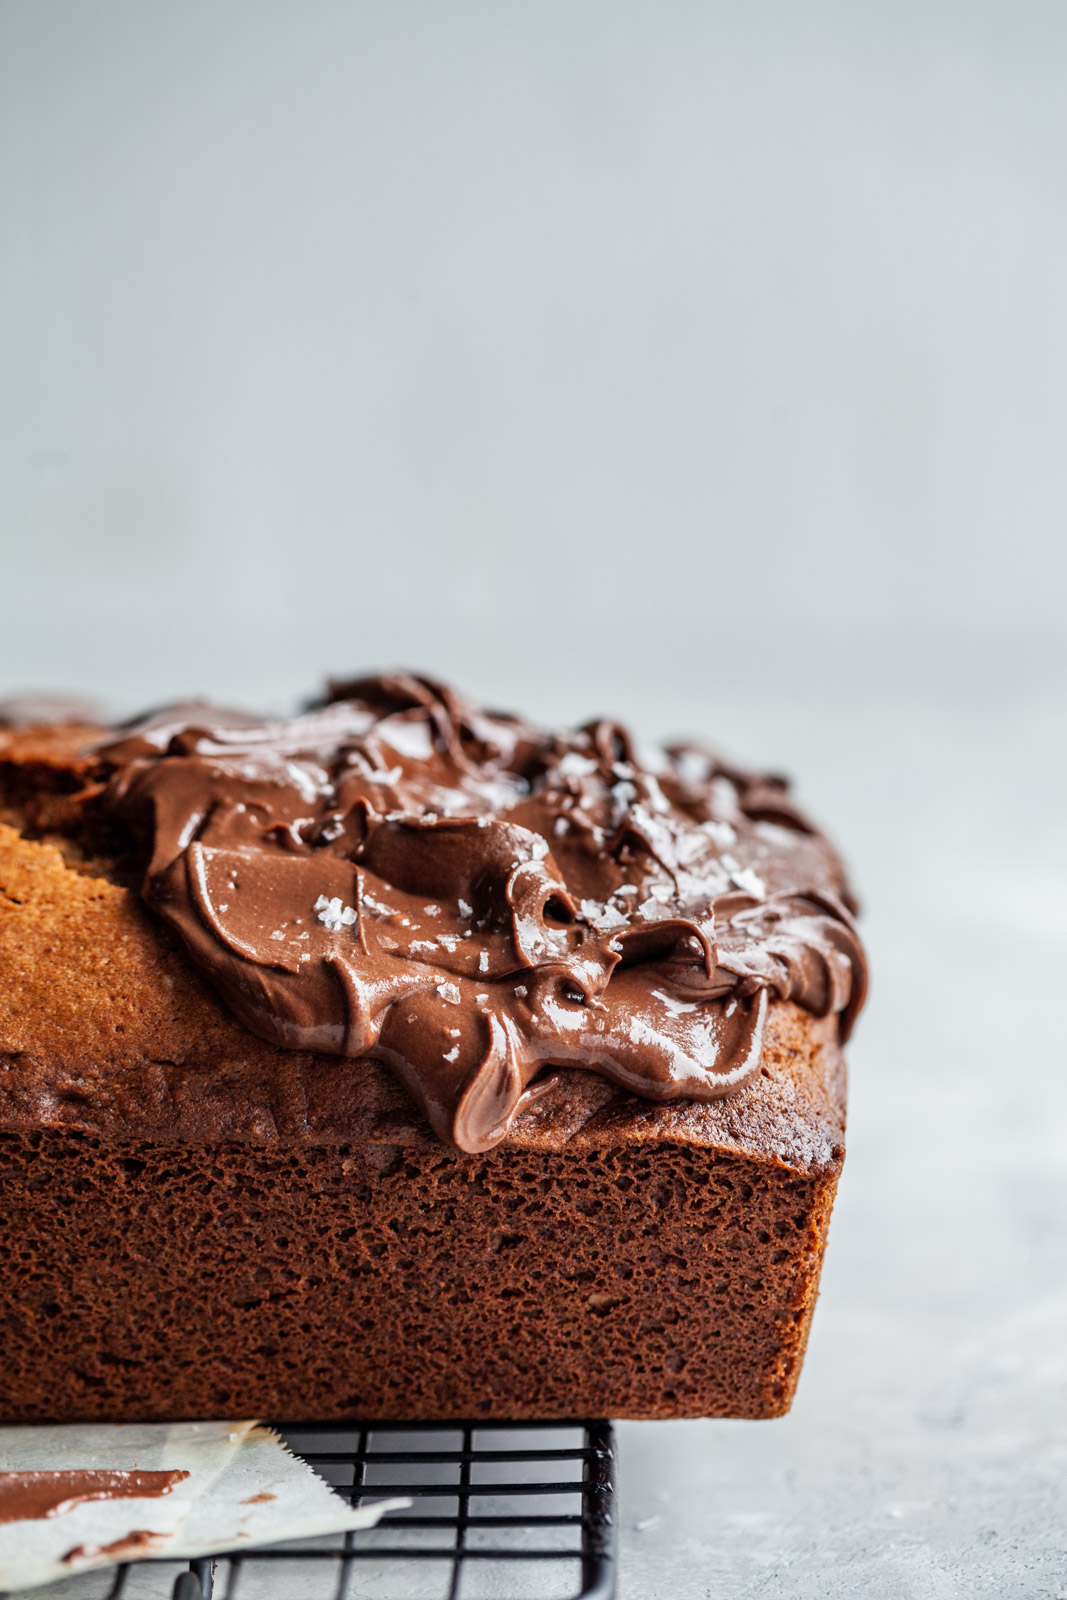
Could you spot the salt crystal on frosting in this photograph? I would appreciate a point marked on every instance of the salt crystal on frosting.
(603, 918)
(333, 913)
(574, 765)
(745, 879)
(750, 882)
(723, 834)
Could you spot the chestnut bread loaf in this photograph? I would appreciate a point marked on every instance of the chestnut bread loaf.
(196, 1220)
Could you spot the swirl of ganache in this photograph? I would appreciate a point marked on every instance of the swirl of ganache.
(476, 902)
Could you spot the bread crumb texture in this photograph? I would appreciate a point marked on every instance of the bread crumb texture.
(157, 1281)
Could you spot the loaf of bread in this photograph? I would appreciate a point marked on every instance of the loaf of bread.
(402, 1061)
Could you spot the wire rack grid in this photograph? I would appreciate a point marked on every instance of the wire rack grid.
(501, 1511)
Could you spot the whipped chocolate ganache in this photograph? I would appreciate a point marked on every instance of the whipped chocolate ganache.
(476, 902)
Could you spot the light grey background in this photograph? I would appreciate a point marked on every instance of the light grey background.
(703, 363)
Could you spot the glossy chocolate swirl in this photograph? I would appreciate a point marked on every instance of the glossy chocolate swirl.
(475, 902)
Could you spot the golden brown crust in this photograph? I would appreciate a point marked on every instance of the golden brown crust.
(105, 1027)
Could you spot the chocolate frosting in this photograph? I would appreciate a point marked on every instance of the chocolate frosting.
(26, 1496)
(141, 1542)
(475, 901)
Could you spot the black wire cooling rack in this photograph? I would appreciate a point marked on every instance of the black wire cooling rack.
(500, 1511)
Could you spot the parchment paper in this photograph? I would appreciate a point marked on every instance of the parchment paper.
(244, 1488)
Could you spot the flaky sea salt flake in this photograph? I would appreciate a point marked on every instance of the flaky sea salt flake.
(746, 880)
(721, 832)
(333, 913)
(604, 917)
(574, 765)
(751, 882)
